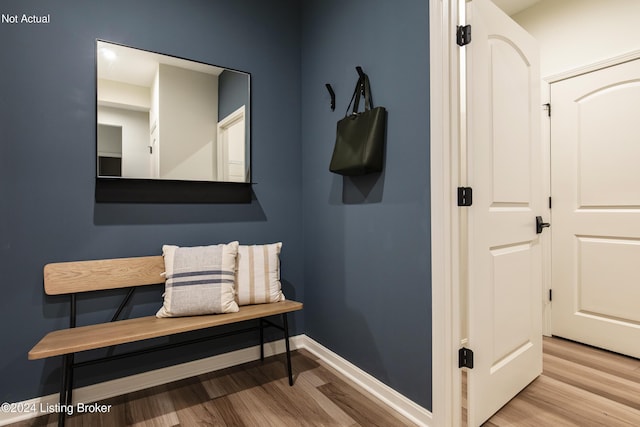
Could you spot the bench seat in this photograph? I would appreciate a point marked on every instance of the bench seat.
(73, 340)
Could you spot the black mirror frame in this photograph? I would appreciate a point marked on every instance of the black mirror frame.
(123, 190)
(135, 190)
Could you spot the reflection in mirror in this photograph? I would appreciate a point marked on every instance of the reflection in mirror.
(162, 117)
(109, 150)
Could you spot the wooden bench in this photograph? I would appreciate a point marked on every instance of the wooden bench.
(71, 278)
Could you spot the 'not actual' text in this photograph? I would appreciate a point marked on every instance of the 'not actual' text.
(8, 18)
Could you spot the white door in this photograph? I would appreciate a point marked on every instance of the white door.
(595, 156)
(231, 147)
(505, 171)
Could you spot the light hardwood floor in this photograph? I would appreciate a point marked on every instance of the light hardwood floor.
(253, 394)
(580, 386)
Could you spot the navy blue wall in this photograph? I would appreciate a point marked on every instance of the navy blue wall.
(356, 250)
(47, 161)
(367, 239)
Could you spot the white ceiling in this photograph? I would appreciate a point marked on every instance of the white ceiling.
(138, 67)
(511, 7)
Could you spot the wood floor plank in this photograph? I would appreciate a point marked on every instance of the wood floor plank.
(305, 410)
(580, 386)
(256, 408)
(613, 387)
(602, 360)
(192, 404)
(583, 406)
(267, 376)
(220, 383)
(521, 411)
(150, 408)
(310, 382)
(359, 407)
(313, 378)
(228, 412)
(312, 406)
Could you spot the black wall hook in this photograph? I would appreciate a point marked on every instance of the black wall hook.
(361, 76)
(333, 96)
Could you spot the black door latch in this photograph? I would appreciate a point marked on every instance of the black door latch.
(540, 225)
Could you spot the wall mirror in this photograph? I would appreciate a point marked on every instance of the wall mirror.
(165, 118)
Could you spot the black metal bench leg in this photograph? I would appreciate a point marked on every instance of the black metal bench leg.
(65, 387)
(261, 340)
(70, 380)
(67, 369)
(285, 325)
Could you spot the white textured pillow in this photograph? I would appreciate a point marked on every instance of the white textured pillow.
(258, 274)
(199, 280)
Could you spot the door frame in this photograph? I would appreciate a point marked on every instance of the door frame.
(445, 122)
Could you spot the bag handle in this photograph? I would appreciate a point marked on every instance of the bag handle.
(362, 87)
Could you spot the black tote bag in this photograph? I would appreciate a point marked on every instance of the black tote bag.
(360, 136)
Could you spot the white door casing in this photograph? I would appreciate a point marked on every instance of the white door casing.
(595, 147)
(445, 284)
(154, 151)
(504, 252)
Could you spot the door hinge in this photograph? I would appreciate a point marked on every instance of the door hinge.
(463, 35)
(549, 202)
(550, 294)
(547, 108)
(465, 358)
(465, 196)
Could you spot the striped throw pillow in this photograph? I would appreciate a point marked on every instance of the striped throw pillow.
(258, 274)
(199, 280)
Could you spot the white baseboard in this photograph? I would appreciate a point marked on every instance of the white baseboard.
(120, 386)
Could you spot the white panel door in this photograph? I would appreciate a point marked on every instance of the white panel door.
(505, 172)
(231, 147)
(595, 155)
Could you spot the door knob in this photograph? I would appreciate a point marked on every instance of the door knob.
(540, 225)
